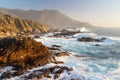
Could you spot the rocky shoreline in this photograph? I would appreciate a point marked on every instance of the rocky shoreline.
(24, 54)
(23, 57)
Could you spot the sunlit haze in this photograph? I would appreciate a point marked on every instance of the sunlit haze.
(104, 13)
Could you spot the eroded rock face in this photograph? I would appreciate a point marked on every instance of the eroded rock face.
(24, 52)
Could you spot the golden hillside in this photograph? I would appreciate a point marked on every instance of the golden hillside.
(10, 26)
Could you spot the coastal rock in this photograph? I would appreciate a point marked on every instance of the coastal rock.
(50, 72)
(59, 54)
(89, 39)
(65, 32)
(24, 52)
(80, 56)
(97, 45)
(36, 36)
(56, 46)
(47, 72)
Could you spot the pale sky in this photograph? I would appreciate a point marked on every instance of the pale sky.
(104, 13)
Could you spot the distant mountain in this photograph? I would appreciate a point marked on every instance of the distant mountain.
(50, 17)
(11, 26)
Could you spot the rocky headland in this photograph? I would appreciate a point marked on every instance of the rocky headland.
(24, 54)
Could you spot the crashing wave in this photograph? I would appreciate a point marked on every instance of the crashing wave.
(84, 29)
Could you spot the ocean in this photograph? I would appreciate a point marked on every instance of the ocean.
(99, 62)
(107, 31)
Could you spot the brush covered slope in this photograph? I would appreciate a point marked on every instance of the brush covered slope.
(10, 26)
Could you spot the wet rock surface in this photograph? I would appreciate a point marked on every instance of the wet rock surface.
(51, 72)
(46, 72)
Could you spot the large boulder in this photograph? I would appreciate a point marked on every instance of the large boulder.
(25, 52)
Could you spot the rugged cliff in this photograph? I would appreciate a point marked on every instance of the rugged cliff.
(11, 26)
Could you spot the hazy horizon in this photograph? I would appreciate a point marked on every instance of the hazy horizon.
(103, 13)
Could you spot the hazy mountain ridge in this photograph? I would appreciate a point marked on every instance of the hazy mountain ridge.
(50, 17)
(11, 26)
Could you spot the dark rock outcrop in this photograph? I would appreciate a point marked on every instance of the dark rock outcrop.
(59, 54)
(24, 52)
(56, 71)
(89, 39)
(65, 32)
(97, 45)
(56, 46)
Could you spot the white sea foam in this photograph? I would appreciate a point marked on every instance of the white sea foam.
(84, 29)
(48, 35)
(5, 69)
(115, 38)
(91, 69)
(79, 35)
(100, 63)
